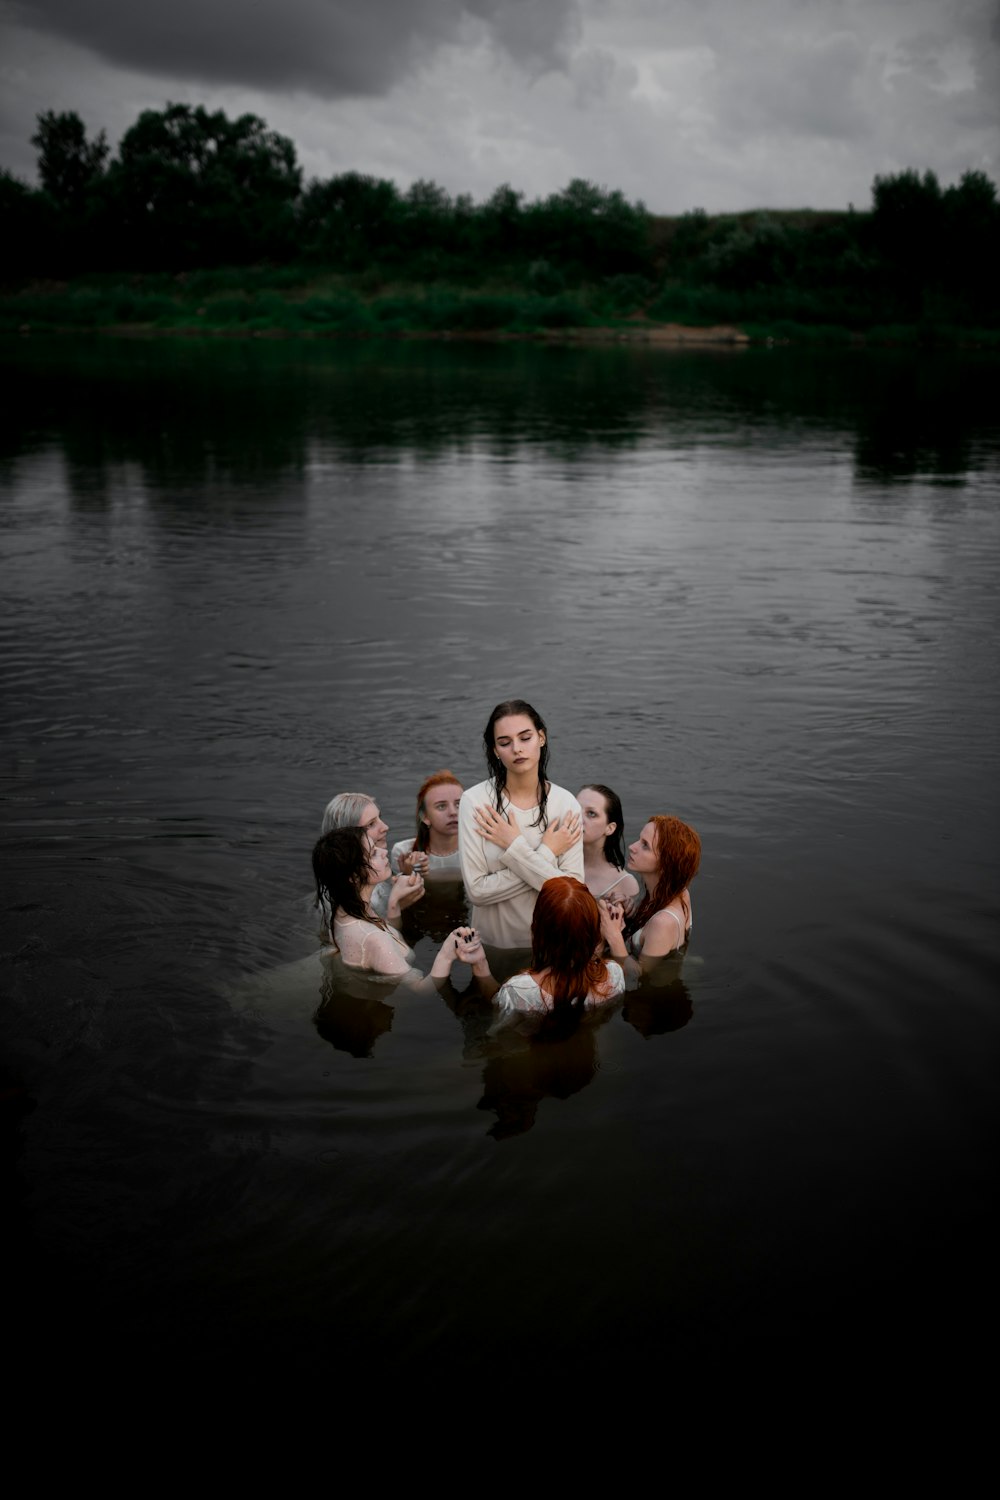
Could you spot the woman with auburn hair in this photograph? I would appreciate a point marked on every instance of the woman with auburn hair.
(434, 850)
(666, 856)
(604, 872)
(567, 978)
(347, 867)
(517, 829)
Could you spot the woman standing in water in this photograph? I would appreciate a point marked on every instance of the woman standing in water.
(604, 870)
(347, 867)
(434, 850)
(516, 829)
(666, 856)
(566, 979)
(358, 810)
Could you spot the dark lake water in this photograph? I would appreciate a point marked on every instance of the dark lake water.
(754, 588)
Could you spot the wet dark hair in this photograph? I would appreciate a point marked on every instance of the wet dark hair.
(340, 867)
(498, 775)
(614, 843)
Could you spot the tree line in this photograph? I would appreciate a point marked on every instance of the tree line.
(190, 189)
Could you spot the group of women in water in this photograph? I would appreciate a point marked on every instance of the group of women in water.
(542, 870)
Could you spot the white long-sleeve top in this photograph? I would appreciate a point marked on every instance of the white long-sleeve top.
(502, 884)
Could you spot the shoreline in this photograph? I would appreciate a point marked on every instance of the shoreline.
(653, 335)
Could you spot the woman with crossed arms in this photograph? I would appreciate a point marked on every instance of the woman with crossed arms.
(517, 829)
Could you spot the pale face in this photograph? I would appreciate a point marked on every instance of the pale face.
(378, 864)
(595, 816)
(642, 855)
(371, 822)
(441, 809)
(518, 744)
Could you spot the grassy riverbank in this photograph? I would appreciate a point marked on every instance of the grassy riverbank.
(295, 301)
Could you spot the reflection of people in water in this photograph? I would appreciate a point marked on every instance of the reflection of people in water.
(516, 829)
(567, 977)
(662, 1004)
(604, 872)
(515, 1083)
(347, 867)
(434, 849)
(568, 983)
(666, 856)
(351, 1022)
(358, 810)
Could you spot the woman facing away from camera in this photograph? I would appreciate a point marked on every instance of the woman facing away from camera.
(434, 849)
(665, 856)
(567, 978)
(604, 872)
(347, 867)
(516, 829)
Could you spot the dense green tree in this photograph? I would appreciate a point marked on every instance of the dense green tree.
(68, 164)
(938, 248)
(350, 220)
(586, 225)
(29, 221)
(194, 188)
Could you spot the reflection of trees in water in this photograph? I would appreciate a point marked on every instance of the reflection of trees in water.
(190, 414)
(927, 420)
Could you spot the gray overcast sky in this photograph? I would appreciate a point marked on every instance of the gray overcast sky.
(720, 104)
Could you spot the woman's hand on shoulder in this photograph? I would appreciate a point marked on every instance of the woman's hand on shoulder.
(562, 833)
(494, 827)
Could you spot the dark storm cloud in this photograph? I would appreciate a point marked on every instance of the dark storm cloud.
(328, 47)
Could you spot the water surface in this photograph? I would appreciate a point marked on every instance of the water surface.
(754, 588)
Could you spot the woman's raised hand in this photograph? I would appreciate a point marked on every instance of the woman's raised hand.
(562, 833)
(468, 945)
(465, 945)
(469, 948)
(612, 914)
(405, 890)
(495, 827)
(414, 863)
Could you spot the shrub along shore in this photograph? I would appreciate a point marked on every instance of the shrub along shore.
(201, 224)
(291, 302)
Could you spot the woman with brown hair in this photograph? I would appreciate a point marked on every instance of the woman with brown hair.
(347, 867)
(517, 829)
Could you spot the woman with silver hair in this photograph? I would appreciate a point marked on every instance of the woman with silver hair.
(358, 810)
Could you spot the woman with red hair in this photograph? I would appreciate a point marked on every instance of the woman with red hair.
(567, 978)
(434, 850)
(665, 856)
